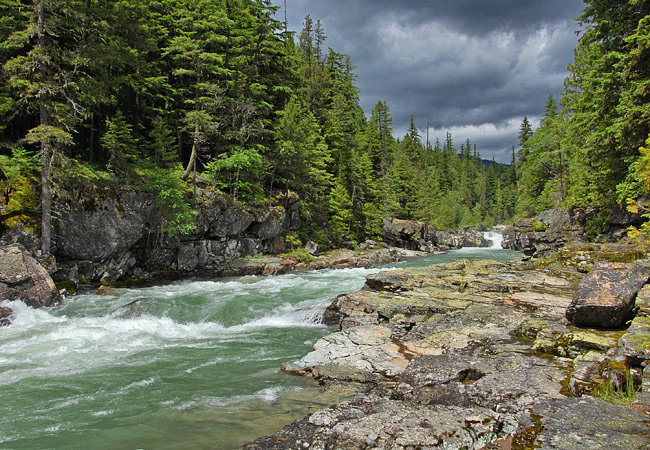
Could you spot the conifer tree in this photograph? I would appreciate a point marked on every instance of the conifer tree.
(40, 79)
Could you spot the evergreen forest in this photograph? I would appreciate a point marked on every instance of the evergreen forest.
(165, 96)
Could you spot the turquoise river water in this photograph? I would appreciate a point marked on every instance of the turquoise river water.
(193, 364)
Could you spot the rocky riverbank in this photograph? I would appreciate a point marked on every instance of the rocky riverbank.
(472, 354)
(117, 238)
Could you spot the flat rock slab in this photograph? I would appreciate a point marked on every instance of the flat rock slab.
(590, 423)
(605, 298)
(358, 354)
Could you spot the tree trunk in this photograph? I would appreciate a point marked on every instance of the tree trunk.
(46, 150)
(192, 162)
(46, 198)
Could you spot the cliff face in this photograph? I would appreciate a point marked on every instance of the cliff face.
(467, 355)
(116, 237)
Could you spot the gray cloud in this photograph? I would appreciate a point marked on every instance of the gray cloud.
(468, 66)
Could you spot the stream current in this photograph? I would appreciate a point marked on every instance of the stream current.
(193, 364)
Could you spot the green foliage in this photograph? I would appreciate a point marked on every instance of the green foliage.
(538, 226)
(340, 207)
(623, 395)
(121, 144)
(586, 153)
(302, 158)
(543, 171)
(599, 224)
(238, 171)
(163, 144)
(135, 90)
(175, 214)
(293, 241)
(18, 176)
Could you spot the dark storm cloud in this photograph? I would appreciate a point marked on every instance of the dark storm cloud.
(472, 67)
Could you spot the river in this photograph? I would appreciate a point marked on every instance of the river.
(192, 364)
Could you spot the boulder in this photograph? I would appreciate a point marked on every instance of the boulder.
(391, 281)
(269, 225)
(606, 296)
(312, 248)
(460, 238)
(18, 235)
(553, 228)
(221, 217)
(23, 278)
(105, 231)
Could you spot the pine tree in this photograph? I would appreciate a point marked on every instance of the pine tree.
(340, 206)
(121, 144)
(302, 159)
(525, 132)
(605, 96)
(40, 78)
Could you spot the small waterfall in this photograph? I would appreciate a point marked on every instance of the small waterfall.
(494, 237)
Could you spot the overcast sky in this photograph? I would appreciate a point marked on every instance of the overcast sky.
(471, 67)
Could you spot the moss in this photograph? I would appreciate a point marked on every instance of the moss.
(620, 253)
(566, 382)
(641, 342)
(527, 438)
(538, 226)
(69, 286)
(301, 255)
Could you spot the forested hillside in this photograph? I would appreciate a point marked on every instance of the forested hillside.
(158, 94)
(591, 147)
(165, 95)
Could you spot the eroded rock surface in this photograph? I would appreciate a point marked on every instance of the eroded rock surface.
(471, 354)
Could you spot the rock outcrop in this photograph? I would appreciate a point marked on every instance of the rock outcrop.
(23, 278)
(471, 354)
(605, 297)
(417, 235)
(115, 236)
(553, 228)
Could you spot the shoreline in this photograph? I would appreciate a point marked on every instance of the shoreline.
(479, 350)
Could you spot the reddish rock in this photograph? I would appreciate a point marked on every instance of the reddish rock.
(606, 297)
(23, 278)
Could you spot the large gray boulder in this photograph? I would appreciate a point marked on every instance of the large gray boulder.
(107, 230)
(606, 296)
(23, 278)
